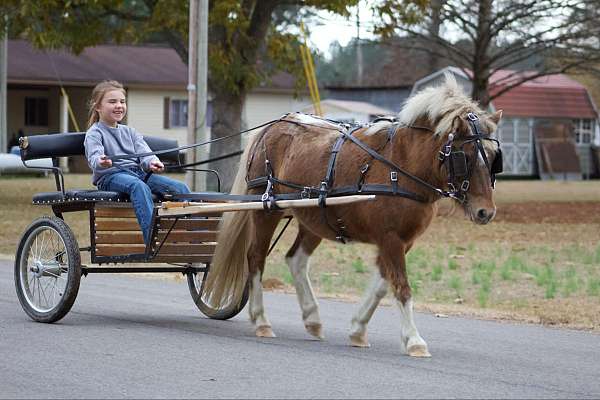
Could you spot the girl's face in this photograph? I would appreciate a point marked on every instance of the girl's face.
(112, 108)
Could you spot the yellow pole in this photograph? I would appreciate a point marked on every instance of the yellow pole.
(310, 73)
(71, 114)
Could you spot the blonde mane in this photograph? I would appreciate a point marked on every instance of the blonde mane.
(441, 105)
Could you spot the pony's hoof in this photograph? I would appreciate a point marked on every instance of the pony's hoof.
(418, 350)
(264, 331)
(315, 330)
(359, 341)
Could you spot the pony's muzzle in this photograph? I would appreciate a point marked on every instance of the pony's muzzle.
(484, 215)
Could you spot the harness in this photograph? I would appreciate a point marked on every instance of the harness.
(455, 161)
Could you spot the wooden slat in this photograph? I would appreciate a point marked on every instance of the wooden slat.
(136, 237)
(188, 248)
(117, 225)
(113, 212)
(209, 224)
(189, 236)
(184, 259)
(119, 238)
(167, 249)
(106, 250)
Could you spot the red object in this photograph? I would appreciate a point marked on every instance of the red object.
(554, 96)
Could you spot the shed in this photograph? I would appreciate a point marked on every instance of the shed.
(545, 100)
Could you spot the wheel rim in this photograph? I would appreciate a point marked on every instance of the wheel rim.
(44, 269)
(203, 301)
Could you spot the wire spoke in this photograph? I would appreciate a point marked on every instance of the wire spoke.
(44, 293)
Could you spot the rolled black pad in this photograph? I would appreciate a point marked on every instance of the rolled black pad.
(71, 144)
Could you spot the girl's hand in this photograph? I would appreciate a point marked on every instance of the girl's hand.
(105, 162)
(156, 166)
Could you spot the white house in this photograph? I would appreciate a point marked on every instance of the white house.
(155, 79)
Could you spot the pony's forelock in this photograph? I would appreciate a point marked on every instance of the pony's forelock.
(441, 104)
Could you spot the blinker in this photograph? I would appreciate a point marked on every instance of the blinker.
(458, 163)
(497, 163)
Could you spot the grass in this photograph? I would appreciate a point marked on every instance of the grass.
(547, 272)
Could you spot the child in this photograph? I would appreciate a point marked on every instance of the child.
(107, 137)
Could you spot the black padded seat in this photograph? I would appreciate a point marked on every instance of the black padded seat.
(83, 195)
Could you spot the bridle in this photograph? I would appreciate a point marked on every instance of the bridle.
(460, 167)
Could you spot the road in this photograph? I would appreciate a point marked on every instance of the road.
(143, 338)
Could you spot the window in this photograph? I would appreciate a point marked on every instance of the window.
(36, 111)
(176, 113)
(582, 129)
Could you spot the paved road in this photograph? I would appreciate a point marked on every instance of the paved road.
(143, 338)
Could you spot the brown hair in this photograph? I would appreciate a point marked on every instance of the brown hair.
(97, 95)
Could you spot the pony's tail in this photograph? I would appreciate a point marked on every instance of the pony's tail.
(228, 274)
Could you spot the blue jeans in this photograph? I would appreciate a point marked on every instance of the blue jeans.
(130, 181)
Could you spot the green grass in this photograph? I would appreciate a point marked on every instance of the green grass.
(359, 266)
(436, 273)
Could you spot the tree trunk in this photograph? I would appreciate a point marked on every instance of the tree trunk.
(434, 31)
(481, 65)
(226, 120)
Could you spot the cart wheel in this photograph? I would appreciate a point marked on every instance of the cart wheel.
(47, 269)
(196, 284)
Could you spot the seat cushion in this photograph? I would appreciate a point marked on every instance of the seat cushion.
(82, 195)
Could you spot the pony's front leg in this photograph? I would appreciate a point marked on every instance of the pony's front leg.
(297, 259)
(257, 309)
(377, 291)
(264, 225)
(392, 263)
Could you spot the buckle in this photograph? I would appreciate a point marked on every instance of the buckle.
(452, 187)
(364, 168)
(464, 186)
(305, 193)
(394, 176)
(472, 117)
(268, 190)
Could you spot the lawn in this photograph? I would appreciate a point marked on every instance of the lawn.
(539, 261)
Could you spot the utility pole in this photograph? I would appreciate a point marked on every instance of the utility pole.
(3, 92)
(359, 54)
(197, 89)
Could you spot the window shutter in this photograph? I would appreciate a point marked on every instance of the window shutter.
(166, 113)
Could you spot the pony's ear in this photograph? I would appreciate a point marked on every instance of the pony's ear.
(495, 117)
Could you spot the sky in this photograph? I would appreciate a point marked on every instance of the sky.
(331, 27)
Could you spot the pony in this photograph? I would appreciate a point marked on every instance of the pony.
(440, 146)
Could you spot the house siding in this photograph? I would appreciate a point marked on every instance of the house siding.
(145, 113)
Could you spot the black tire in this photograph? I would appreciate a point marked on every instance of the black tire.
(227, 311)
(47, 266)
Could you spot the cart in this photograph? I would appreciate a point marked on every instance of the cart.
(48, 266)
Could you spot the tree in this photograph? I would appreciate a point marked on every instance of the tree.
(485, 36)
(248, 42)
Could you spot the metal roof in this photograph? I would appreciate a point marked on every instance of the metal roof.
(147, 65)
(555, 96)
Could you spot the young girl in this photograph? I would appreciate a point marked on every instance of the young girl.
(107, 137)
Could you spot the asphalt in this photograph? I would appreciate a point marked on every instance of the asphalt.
(132, 337)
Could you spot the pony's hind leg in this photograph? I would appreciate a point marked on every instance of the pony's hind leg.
(297, 259)
(263, 225)
(376, 291)
(392, 264)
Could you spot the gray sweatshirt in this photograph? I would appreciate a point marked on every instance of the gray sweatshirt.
(102, 139)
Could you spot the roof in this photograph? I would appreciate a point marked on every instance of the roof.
(147, 65)
(355, 106)
(555, 96)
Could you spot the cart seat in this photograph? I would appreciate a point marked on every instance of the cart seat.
(82, 195)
